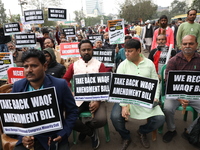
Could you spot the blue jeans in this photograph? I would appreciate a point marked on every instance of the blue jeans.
(118, 122)
(3, 48)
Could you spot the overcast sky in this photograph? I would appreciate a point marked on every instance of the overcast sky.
(110, 6)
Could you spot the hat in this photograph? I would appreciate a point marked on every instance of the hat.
(148, 21)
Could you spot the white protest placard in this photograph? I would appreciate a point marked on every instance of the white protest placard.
(116, 31)
(6, 61)
(25, 40)
(57, 14)
(34, 16)
(30, 113)
(91, 87)
(11, 28)
(183, 84)
(132, 89)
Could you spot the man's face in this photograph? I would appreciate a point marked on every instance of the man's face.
(163, 23)
(189, 45)
(98, 44)
(48, 58)
(62, 36)
(34, 70)
(161, 40)
(192, 15)
(11, 47)
(132, 53)
(86, 51)
(48, 43)
(105, 36)
(63, 40)
(79, 38)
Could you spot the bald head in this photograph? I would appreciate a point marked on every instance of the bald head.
(189, 45)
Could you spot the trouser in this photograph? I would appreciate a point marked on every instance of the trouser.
(170, 107)
(118, 122)
(99, 120)
(37, 146)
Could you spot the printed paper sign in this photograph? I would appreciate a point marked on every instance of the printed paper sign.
(34, 16)
(69, 50)
(25, 40)
(131, 89)
(70, 32)
(11, 28)
(183, 85)
(116, 31)
(92, 87)
(6, 61)
(56, 14)
(106, 56)
(30, 113)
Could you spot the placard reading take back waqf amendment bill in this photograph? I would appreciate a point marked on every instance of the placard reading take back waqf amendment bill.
(34, 16)
(116, 31)
(183, 84)
(25, 40)
(131, 89)
(30, 113)
(92, 87)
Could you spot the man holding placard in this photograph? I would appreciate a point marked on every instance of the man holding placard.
(136, 64)
(86, 65)
(36, 79)
(187, 59)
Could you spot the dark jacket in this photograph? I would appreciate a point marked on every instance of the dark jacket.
(65, 101)
(54, 68)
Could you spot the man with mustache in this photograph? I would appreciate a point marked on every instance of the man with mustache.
(85, 65)
(34, 63)
(189, 28)
(163, 29)
(187, 59)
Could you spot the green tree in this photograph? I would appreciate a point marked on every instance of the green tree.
(79, 15)
(2, 13)
(196, 5)
(178, 8)
(14, 18)
(134, 10)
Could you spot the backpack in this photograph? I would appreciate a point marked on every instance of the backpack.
(195, 133)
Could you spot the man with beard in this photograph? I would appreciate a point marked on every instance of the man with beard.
(17, 55)
(189, 27)
(187, 59)
(159, 54)
(87, 64)
(163, 29)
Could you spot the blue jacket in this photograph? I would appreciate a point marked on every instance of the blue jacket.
(66, 102)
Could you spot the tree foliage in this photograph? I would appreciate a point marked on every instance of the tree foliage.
(178, 8)
(79, 15)
(137, 10)
(13, 18)
(196, 5)
(46, 22)
(91, 21)
(2, 13)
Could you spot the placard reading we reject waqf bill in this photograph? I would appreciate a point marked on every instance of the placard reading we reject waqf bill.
(116, 31)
